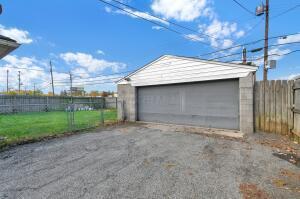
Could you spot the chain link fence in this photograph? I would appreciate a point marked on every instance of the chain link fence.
(57, 117)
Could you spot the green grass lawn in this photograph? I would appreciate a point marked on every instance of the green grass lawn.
(29, 126)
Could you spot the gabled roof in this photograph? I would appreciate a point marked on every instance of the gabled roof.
(186, 69)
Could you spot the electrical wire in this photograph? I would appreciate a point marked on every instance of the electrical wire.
(243, 7)
(153, 22)
(220, 50)
(167, 21)
(273, 45)
(285, 12)
(247, 44)
(262, 57)
(113, 80)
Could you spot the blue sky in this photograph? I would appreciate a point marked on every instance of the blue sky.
(92, 39)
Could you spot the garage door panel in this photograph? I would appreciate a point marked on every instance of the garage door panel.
(209, 104)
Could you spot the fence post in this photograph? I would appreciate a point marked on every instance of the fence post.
(290, 107)
(284, 108)
(121, 112)
(272, 107)
(278, 106)
(256, 106)
(102, 115)
(267, 106)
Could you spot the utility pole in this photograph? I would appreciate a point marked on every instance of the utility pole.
(266, 41)
(71, 86)
(7, 89)
(244, 56)
(266, 56)
(19, 79)
(51, 72)
(72, 108)
(34, 89)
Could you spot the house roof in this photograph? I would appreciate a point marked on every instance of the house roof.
(7, 45)
(170, 69)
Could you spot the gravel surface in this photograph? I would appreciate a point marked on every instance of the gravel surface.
(137, 161)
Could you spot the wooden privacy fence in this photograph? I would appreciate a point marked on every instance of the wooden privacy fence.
(274, 113)
(23, 103)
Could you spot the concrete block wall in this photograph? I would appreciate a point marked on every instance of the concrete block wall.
(246, 86)
(127, 102)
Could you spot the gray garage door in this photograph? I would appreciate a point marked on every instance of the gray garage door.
(208, 104)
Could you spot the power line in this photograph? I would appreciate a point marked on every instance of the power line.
(51, 73)
(274, 54)
(286, 11)
(113, 80)
(243, 7)
(162, 19)
(19, 80)
(20, 68)
(273, 45)
(246, 44)
(153, 22)
(240, 66)
(95, 80)
(251, 29)
(97, 76)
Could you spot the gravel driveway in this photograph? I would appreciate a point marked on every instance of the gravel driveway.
(137, 161)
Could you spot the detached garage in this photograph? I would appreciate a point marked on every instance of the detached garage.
(189, 91)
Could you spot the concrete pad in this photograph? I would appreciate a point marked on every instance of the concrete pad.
(194, 129)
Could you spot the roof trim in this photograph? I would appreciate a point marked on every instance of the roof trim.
(187, 58)
(8, 44)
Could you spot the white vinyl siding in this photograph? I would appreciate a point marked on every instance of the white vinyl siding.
(171, 69)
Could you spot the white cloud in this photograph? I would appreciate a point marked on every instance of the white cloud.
(36, 71)
(31, 71)
(289, 77)
(107, 9)
(81, 72)
(221, 29)
(90, 63)
(100, 52)
(274, 54)
(209, 13)
(289, 39)
(193, 37)
(240, 34)
(227, 43)
(21, 36)
(144, 15)
(221, 33)
(180, 10)
(157, 27)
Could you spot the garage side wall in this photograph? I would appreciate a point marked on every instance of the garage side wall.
(127, 102)
(246, 85)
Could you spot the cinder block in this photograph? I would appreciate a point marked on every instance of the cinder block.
(246, 85)
(127, 94)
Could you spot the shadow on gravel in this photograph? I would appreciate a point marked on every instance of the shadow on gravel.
(292, 158)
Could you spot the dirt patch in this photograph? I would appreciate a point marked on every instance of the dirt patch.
(290, 174)
(280, 143)
(287, 180)
(169, 165)
(251, 191)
